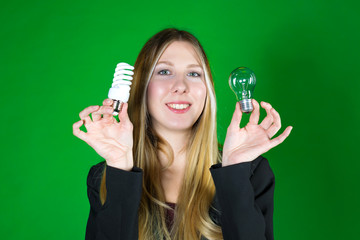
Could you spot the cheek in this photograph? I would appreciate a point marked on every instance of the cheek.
(151, 98)
(155, 91)
(200, 92)
(150, 91)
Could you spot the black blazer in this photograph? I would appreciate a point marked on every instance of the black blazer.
(243, 201)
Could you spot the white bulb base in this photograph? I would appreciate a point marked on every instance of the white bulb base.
(119, 94)
(246, 106)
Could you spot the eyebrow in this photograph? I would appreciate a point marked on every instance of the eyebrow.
(171, 64)
(165, 62)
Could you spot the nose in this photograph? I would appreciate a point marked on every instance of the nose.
(180, 86)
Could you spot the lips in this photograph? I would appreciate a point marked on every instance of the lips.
(178, 107)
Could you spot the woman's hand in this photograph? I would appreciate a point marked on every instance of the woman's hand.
(247, 143)
(112, 140)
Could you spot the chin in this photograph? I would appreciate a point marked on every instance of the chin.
(174, 124)
(181, 127)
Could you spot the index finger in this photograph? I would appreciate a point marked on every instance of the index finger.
(108, 102)
(84, 114)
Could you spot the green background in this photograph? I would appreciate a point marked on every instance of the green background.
(58, 57)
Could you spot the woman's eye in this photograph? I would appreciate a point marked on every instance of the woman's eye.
(164, 72)
(194, 74)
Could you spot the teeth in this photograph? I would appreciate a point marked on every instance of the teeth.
(179, 106)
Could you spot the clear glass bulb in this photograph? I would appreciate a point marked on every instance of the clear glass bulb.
(242, 81)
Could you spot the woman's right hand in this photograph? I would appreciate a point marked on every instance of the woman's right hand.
(112, 140)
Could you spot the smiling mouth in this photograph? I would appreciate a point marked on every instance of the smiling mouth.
(178, 106)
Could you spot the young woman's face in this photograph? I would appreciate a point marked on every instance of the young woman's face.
(176, 92)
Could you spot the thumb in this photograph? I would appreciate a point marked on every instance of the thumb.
(123, 115)
(236, 118)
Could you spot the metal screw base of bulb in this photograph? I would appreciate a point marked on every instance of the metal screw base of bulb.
(246, 106)
(117, 106)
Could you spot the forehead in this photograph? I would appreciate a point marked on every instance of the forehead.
(180, 51)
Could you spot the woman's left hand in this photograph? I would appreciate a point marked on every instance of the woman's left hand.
(247, 143)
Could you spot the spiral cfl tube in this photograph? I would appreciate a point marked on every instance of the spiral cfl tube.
(120, 88)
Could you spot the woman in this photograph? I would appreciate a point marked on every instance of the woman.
(155, 182)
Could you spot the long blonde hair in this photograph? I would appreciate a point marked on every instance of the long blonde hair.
(192, 219)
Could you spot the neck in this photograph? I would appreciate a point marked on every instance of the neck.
(177, 139)
(172, 177)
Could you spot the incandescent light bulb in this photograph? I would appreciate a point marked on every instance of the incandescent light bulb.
(120, 88)
(242, 81)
